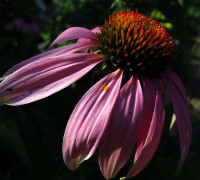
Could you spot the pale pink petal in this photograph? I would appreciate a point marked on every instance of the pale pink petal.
(45, 77)
(119, 140)
(74, 33)
(181, 110)
(68, 49)
(89, 120)
(153, 137)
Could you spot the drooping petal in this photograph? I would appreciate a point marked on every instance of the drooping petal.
(74, 33)
(119, 140)
(153, 138)
(178, 85)
(45, 77)
(89, 120)
(181, 110)
(68, 49)
(149, 94)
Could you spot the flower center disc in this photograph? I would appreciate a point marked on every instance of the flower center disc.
(136, 43)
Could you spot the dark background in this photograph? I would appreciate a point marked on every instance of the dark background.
(31, 135)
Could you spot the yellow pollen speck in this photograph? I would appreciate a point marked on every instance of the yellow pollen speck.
(105, 88)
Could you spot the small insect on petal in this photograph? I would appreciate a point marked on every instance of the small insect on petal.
(105, 88)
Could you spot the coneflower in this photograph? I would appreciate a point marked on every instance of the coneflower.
(135, 49)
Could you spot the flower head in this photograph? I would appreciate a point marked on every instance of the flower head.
(136, 43)
(108, 116)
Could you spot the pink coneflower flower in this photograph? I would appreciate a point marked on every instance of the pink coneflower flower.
(136, 51)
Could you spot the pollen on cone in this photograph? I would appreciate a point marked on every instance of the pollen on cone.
(135, 38)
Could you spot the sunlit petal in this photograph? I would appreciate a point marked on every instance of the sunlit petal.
(120, 138)
(153, 138)
(45, 77)
(68, 49)
(74, 33)
(89, 120)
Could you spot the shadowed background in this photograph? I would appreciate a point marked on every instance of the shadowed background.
(31, 135)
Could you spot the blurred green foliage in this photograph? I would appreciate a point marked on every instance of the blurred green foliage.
(31, 135)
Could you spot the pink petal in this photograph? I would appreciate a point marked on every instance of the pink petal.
(89, 120)
(118, 143)
(153, 137)
(68, 49)
(181, 110)
(45, 77)
(74, 33)
(178, 85)
(95, 30)
(149, 94)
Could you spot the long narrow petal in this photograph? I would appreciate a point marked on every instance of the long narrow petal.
(178, 84)
(118, 143)
(181, 110)
(68, 49)
(149, 94)
(45, 77)
(74, 33)
(89, 120)
(153, 137)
